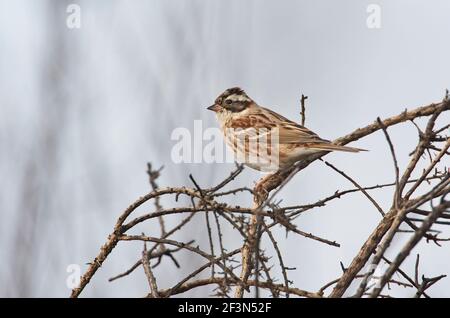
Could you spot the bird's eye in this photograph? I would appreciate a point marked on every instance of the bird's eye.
(228, 101)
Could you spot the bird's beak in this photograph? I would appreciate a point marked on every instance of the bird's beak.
(214, 108)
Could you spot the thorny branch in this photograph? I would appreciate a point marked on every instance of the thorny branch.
(252, 264)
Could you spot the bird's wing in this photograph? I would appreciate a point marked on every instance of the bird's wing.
(263, 121)
(291, 132)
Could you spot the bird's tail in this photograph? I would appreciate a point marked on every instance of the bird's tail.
(333, 147)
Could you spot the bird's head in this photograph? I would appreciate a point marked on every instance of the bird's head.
(232, 101)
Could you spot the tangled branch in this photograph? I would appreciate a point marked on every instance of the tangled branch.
(253, 223)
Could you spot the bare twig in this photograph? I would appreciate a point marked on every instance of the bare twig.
(148, 272)
(280, 258)
(394, 158)
(268, 285)
(372, 242)
(303, 111)
(426, 225)
(375, 203)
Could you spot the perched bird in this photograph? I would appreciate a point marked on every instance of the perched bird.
(263, 139)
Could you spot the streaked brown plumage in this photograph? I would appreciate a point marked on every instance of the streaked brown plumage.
(252, 130)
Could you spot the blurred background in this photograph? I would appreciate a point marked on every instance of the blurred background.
(82, 110)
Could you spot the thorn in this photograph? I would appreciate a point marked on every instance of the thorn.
(343, 267)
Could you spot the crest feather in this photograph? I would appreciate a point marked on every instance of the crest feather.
(234, 99)
(235, 90)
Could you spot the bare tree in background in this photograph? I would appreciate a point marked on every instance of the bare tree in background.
(41, 166)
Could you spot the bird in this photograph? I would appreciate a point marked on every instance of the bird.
(263, 139)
